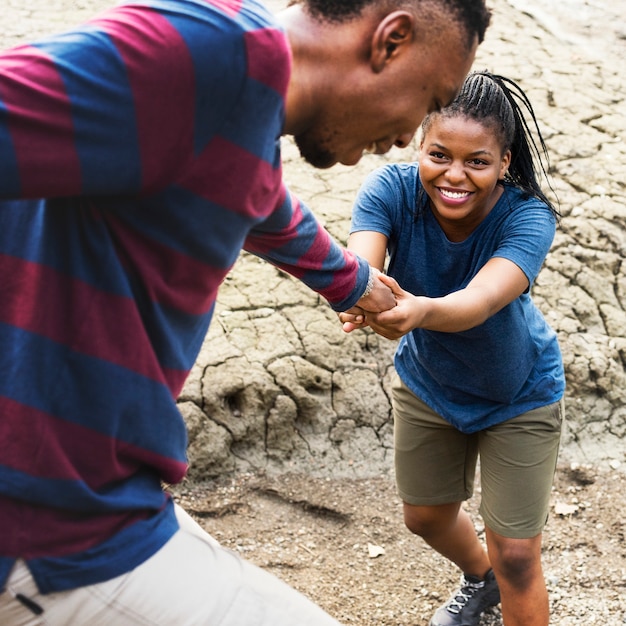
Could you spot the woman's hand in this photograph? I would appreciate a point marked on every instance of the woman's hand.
(400, 320)
(392, 323)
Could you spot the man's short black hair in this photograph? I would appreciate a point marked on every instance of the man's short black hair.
(472, 15)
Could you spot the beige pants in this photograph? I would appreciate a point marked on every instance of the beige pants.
(191, 581)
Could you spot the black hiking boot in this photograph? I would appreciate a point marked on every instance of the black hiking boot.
(465, 607)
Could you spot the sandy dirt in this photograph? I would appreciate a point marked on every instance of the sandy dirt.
(343, 543)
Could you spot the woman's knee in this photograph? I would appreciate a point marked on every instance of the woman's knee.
(517, 560)
(428, 520)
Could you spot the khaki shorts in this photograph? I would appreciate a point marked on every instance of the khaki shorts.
(436, 463)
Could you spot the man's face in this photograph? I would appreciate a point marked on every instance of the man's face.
(376, 111)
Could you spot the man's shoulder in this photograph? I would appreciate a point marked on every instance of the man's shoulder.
(243, 15)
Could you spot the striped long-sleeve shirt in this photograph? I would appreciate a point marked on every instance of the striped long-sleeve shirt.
(139, 154)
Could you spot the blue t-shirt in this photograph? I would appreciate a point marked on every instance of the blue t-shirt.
(502, 368)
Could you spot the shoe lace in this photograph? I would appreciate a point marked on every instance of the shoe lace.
(463, 595)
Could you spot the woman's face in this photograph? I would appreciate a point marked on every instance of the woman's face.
(460, 163)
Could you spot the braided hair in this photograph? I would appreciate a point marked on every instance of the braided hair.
(472, 15)
(494, 101)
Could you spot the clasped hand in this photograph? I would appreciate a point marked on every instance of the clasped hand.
(392, 322)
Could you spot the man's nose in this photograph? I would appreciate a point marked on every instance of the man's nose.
(404, 140)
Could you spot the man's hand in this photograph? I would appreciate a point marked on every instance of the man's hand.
(380, 298)
(391, 323)
(404, 317)
(352, 319)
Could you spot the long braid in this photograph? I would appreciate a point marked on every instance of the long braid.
(526, 154)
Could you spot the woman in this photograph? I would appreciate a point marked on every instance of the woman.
(467, 229)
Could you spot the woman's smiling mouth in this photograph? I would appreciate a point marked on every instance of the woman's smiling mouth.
(454, 195)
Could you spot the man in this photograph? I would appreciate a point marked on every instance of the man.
(138, 155)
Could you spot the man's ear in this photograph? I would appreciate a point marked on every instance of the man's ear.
(393, 32)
